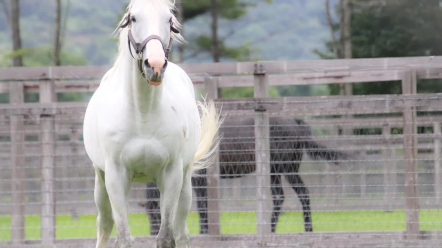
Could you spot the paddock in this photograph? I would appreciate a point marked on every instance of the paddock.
(388, 195)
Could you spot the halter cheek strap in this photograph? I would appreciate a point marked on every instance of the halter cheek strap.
(139, 47)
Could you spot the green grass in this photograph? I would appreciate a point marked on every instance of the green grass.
(239, 223)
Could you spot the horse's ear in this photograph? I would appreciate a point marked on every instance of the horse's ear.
(126, 21)
(173, 29)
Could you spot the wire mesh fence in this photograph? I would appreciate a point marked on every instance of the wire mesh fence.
(353, 171)
(333, 181)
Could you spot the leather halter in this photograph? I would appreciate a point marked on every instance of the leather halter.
(139, 47)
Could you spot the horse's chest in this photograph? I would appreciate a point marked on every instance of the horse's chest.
(144, 156)
(143, 146)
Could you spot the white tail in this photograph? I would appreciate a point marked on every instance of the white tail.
(210, 123)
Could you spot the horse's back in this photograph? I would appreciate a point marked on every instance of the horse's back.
(237, 148)
(279, 127)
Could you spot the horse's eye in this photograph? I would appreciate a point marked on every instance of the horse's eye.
(132, 19)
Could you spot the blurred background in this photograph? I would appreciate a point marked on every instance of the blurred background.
(36, 33)
(82, 32)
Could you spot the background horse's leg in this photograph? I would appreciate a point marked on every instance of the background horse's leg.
(304, 196)
(170, 185)
(181, 233)
(199, 184)
(278, 198)
(105, 222)
(118, 187)
(153, 208)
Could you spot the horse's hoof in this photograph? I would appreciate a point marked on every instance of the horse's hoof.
(166, 243)
(126, 243)
(308, 228)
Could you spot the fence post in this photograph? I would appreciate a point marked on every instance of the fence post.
(336, 177)
(437, 164)
(213, 194)
(48, 216)
(16, 96)
(390, 181)
(409, 82)
(363, 181)
(74, 141)
(262, 152)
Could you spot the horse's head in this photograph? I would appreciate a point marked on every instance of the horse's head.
(150, 25)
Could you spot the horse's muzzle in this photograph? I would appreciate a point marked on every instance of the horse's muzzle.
(155, 72)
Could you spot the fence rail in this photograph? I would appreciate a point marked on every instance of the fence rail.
(48, 120)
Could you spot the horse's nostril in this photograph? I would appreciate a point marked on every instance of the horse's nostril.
(156, 64)
(146, 63)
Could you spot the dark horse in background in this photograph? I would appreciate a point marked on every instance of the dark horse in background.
(288, 139)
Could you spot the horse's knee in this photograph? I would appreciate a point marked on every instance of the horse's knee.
(305, 200)
(304, 193)
(105, 222)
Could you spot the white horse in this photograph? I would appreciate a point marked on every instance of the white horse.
(143, 125)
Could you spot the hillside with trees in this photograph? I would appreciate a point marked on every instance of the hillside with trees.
(244, 30)
(281, 30)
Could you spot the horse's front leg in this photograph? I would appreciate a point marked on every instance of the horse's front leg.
(181, 233)
(118, 182)
(169, 184)
(105, 222)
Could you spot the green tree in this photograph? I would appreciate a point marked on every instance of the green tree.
(11, 10)
(214, 44)
(396, 28)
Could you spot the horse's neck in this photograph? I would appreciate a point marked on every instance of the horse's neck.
(143, 96)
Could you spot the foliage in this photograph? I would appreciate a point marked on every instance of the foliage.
(398, 29)
(295, 26)
(247, 92)
(85, 28)
(227, 9)
(195, 8)
(44, 56)
(402, 28)
(231, 10)
(241, 53)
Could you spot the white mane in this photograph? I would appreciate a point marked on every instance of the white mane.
(165, 5)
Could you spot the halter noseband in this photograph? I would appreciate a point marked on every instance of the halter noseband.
(139, 47)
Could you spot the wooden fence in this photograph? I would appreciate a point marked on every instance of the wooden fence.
(48, 81)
